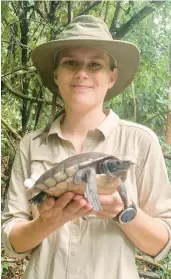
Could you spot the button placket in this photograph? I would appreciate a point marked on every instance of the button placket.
(72, 252)
(74, 247)
(91, 141)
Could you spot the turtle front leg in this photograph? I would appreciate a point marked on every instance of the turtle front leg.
(123, 194)
(88, 176)
(118, 169)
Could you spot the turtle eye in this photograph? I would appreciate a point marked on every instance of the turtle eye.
(111, 165)
(114, 165)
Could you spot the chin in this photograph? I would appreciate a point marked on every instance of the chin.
(83, 100)
(82, 105)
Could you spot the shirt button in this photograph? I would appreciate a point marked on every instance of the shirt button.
(75, 220)
(72, 253)
(70, 152)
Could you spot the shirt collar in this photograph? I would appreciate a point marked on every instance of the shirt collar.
(56, 126)
(110, 122)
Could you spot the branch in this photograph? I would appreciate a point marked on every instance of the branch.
(115, 17)
(12, 144)
(20, 71)
(148, 275)
(154, 116)
(149, 261)
(40, 13)
(45, 8)
(52, 10)
(11, 129)
(9, 260)
(69, 12)
(166, 156)
(126, 27)
(22, 96)
(88, 8)
(106, 11)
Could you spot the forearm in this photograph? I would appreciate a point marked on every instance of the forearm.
(25, 236)
(148, 234)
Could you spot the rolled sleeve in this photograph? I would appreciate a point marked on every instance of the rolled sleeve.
(17, 208)
(165, 251)
(5, 240)
(153, 185)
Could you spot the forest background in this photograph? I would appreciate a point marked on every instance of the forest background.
(26, 103)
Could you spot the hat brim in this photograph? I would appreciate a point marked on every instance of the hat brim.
(126, 55)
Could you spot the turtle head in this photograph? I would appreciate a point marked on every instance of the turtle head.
(115, 167)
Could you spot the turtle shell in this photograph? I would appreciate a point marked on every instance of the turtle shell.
(60, 179)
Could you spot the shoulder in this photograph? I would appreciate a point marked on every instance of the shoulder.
(139, 138)
(31, 137)
(141, 131)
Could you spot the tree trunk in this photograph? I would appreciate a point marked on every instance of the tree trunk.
(24, 41)
(168, 124)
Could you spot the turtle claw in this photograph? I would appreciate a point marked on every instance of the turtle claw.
(93, 198)
(39, 198)
(88, 175)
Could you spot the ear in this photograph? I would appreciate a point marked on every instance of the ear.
(113, 77)
(56, 78)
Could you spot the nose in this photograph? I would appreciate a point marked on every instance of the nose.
(81, 73)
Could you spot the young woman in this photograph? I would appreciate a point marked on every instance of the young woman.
(85, 66)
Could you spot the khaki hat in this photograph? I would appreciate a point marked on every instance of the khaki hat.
(88, 31)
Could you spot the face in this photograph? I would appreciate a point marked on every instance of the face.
(83, 76)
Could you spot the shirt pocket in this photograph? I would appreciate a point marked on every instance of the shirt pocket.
(40, 165)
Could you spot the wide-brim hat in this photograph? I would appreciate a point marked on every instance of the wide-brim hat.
(88, 31)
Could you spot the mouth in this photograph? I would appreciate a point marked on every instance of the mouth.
(81, 86)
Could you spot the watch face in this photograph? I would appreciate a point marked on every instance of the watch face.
(127, 215)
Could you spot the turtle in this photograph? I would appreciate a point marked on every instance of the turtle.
(88, 174)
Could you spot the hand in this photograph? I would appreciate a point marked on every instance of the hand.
(64, 209)
(112, 205)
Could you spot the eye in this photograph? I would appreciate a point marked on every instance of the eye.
(94, 65)
(71, 63)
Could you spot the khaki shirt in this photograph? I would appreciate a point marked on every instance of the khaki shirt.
(92, 249)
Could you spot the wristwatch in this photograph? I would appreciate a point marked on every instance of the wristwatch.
(127, 214)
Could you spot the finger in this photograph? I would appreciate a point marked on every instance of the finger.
(74, 206)
(63, 200)
(110, 199)
(115, 183)
(78, 197)
(85, 210)
(46, 205)
(113, 210)
(109, 214)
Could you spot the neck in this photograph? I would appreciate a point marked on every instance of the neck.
(79, 123)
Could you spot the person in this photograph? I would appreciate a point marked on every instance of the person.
(86, 67)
